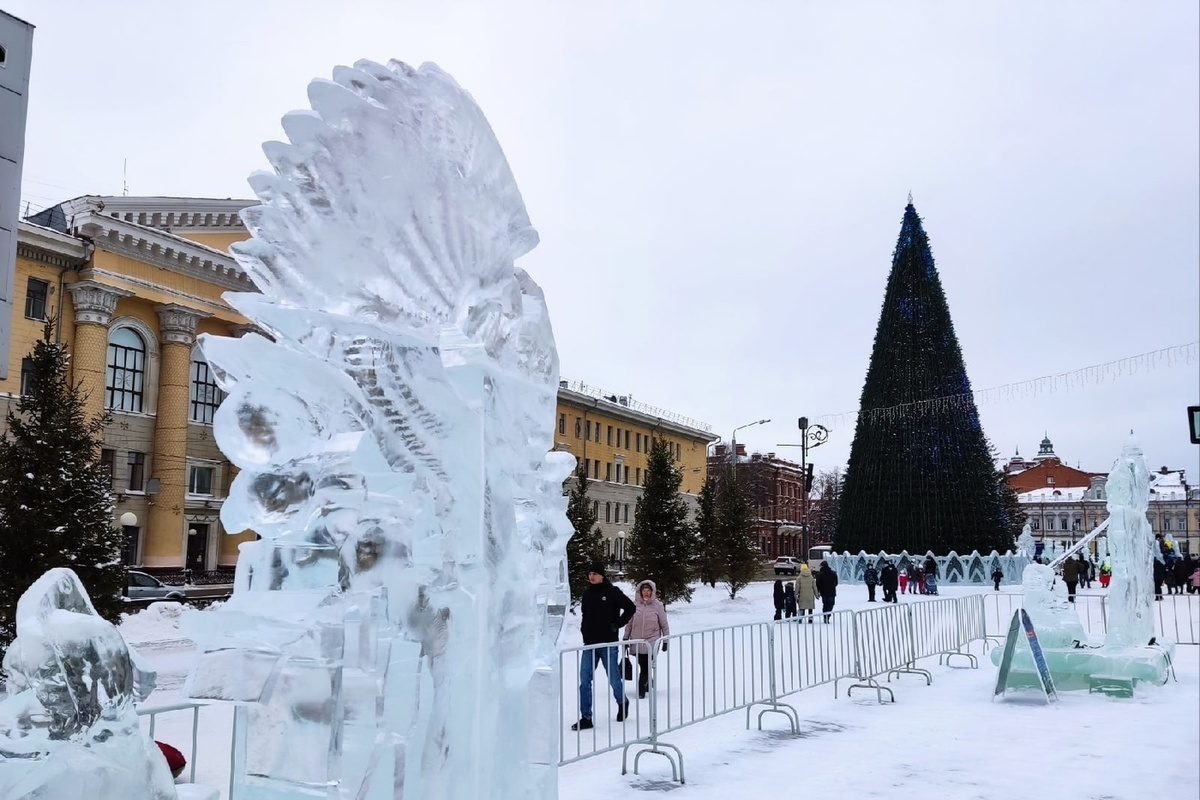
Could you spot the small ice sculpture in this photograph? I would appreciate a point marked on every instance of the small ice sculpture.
(1025, 544)
(68, 728)
(1131, 551)
(393, 633)
(1052, 614)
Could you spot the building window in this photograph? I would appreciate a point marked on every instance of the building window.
(596, 470)
(562, 424)
(596, 508)
(678, 451)
(1035, 524)
(626, 438)
(578, 428)
(200, 480)
(587, 467)
(608, 512)
(637, 440)
(627, 512)
(137, 471)
(637, 476)
(626, 475)
(608, 470)
(108, 459)
(126, 371)
(587, 429)
(597, 433)
(610, 435)
(1049, 480)
(36, 294)
(26, 377)
(206, 395)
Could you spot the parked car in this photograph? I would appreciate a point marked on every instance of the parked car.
(786, 565)
(141, 586)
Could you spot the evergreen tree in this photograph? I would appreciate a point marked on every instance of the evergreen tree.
(55, 502)
(708, 534)
(919, 476)
(586, 545)
(738, 554)
(823, 510)
(663, 544)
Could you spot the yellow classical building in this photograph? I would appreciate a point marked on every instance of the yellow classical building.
(610, 435)
(132, 281)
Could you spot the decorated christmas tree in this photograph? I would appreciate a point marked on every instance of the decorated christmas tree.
(920, 475)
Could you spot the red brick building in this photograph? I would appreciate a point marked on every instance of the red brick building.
(774, 487)
(1045, 470)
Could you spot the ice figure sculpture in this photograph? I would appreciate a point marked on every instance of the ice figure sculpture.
(1132, 550)
(393, 633)
(1127, 655)
(1025, 543)
(68, 728)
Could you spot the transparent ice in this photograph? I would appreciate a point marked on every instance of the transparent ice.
(1025, 543)
(68, 728)
(1127, 655)
(393, 632)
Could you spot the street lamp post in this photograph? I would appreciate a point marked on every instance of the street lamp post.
(733, 441)
(810, 436)
(621, 550)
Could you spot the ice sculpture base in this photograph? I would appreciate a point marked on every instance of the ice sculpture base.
(1091, 669)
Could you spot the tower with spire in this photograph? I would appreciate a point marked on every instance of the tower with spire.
(920, 475)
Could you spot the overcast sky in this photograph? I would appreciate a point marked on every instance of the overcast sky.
(719, 185)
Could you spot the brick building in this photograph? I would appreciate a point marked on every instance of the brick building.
(775, 489)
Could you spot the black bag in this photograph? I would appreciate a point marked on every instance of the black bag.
(628, 667)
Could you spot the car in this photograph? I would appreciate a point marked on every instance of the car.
(142, 586)
(786, 565)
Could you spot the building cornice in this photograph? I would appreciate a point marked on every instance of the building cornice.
(174, 214)
(665, 420)
(161, 249)
(48, 246)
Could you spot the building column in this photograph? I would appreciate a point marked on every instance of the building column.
(94, 306)
(166, 532)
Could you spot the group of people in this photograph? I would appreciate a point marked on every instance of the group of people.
(1177, 574)
(798, 598)
(605, 612)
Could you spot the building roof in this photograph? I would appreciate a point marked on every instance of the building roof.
(587, 396)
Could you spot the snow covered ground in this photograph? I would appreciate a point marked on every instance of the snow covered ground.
(947, 740)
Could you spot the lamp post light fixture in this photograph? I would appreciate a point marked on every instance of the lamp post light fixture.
(810, 436)
(733, 441)
(128, 520)
(621, 550)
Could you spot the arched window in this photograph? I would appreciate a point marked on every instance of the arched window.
(206, 395)
(125, 381)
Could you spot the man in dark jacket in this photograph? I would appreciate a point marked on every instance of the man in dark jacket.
(871, 578)
(889, 579)
(605, 610)
(827, 581)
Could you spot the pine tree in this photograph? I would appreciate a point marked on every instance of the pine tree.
(919, 476)
(663, 544)
(738, 553)
(708, 534)
(55, 502)
(586, 545)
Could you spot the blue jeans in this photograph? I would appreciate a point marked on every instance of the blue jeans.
(608, 656)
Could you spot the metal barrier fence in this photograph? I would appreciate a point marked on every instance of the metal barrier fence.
(884, 645)
(606, 733)
(1176, 616)
(152, 714)
(808, 655)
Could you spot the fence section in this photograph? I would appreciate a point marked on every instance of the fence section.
(809, 654)
(599, 670)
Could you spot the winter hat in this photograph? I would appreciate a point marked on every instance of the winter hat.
(596, 567)
(804, 567)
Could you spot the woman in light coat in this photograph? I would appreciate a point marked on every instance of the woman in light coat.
(649, 622)
(806, 592)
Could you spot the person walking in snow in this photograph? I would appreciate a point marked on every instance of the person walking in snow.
(649, 622)
(871, 579)
(997, 576)
(789, 600)
(778, 596)
(903, 577)
(827, 581)
(806, 593)
(1070, 574)
(889, 578)
(604, 611)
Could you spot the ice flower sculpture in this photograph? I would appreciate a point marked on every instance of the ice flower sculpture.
(393, 633)
(68, 727)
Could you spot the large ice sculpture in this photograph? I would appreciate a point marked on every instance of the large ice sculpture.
(68, 728)
(393, 633)
(1132, 550)
(1025, 543)
(1127, 655)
